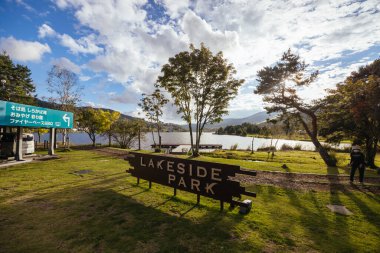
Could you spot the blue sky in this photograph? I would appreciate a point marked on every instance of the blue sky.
(117, 47)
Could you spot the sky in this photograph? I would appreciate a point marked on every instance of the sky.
(117, 47)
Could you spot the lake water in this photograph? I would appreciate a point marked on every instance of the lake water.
(184, 138)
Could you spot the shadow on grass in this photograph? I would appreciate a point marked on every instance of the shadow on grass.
(318, 226)
(84, 219)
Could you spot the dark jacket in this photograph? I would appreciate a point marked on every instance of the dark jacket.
(357, 158)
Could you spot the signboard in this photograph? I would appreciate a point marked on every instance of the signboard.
(202, 178)
(14, 114)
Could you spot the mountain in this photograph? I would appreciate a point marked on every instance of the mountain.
(256, 118)
(253, 119)
(170, 127)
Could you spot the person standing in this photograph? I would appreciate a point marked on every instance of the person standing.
(357, 162)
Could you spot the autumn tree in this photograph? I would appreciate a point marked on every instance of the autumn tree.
(279, 85)
(16, 84)
(64, 89)
(152, 107)
(352, 110)
(91, 122)
(110, 118)
(202, 85)
(40, 131)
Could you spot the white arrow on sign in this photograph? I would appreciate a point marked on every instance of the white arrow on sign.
(66, 119)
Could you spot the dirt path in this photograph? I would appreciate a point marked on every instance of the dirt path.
(299, 181)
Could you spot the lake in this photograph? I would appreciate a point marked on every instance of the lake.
(184, 138)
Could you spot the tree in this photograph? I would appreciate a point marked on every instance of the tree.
(40, 131)
(16, 84)
(352, 110)
(152, 106)
(142, 127)
(279, 85)
(65, 90)
(126, 132)
(91, 121)
(202, 85)
(110, 118)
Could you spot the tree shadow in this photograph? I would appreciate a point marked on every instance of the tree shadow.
(318, 226)
(101, 219)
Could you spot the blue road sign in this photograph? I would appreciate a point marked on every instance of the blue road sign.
(14, 114)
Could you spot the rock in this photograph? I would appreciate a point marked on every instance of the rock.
(339, 209)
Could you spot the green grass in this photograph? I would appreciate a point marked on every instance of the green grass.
(44, 207)
(296, 161)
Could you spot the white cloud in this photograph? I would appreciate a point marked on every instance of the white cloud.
(198, 31)
(175, 7)
(23, 50)
(85, 45)
(67, 64)
(84, 78)
(45, 31)
(251, 34)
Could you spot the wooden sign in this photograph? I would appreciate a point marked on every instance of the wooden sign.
(208, 179)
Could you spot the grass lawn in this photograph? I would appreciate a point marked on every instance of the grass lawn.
(45, 207)
(296, 161)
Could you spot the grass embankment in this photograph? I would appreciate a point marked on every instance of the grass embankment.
(45, 207)
(295, 161)
(294, 137)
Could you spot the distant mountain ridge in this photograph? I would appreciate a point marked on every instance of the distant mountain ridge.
(253, 119)
(167, 126)
(256, 118)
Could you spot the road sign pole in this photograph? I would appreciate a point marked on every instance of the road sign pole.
(18, 156)
(51, 141)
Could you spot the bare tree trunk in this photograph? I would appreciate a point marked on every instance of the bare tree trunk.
(371, 150)
(159, 136)
(191, 139)
(323, 153)
(64, 133)
(109, 139)
(139, 138)
(313, 136)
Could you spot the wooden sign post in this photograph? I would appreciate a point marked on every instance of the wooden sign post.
(208, 179)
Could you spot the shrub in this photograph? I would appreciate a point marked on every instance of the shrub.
(297, 147)
(232, 156)
(285, 147)
(268, 149)
(234, 147)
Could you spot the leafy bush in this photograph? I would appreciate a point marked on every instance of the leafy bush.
(234, 147)
(269, 148)
(285, 147)
(297, 147)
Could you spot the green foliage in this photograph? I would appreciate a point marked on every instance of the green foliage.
(279, 85)
(201, 85)
(110, 119)
(243, 129)
(92, 122)
(353, 110)
(16, 84)
(125, 132)
(152, 107)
